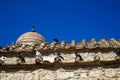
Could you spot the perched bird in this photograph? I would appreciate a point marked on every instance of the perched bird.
(117, 51)
(7, 47)
(33, 28)
(3, 58)
(92, 53)
(0, 47)
(56, 40)
(78, 55)
(21, 57)
(59, 55)
(39, 55)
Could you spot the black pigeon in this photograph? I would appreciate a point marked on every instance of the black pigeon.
(78, 55)
(59, 55)
(0, 47)
(33, 28)
(117, 51)
(20, 56)
(55, 40)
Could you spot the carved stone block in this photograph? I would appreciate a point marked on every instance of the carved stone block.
(57, 59)
(37, 60)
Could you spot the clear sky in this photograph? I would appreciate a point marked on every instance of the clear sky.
(63, 19)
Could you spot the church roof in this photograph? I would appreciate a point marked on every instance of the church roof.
(31, 37)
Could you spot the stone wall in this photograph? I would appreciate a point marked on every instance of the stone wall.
(68, 57)
(97, 73)
(69, 73)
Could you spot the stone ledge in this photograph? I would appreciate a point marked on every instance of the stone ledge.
(112, 63)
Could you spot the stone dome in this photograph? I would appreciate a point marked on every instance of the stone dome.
(31, 37)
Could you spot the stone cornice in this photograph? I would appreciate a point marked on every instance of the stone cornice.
(45, 48)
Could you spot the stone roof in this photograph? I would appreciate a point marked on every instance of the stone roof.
(31, 37)
(83, 45)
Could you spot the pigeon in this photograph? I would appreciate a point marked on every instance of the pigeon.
(59, 55)
(20, 56)
(117, 51)
(38, 55)
(3, 58)
(56, 40)
(78, 55)
(0, 47)
(33, 28)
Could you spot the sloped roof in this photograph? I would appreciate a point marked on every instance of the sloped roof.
(63, 46)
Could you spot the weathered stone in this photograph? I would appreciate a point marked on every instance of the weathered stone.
(35, 71)
(110, 73)
(76, 75)
(73, 43)
(95, 73)
(2, 76)
(15, 78)
(65, 75)
(96, 58)
(83, 71)
(46, 75)
(28, 76)
(9, 76)
(18, 76)
(35, 76)
(83, 75)
(63, 43)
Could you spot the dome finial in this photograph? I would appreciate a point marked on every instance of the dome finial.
(33, 28)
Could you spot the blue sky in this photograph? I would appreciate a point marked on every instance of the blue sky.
(63, 19)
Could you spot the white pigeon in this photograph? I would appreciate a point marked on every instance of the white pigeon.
(38, 55)
(92, 53)
(3, 58)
